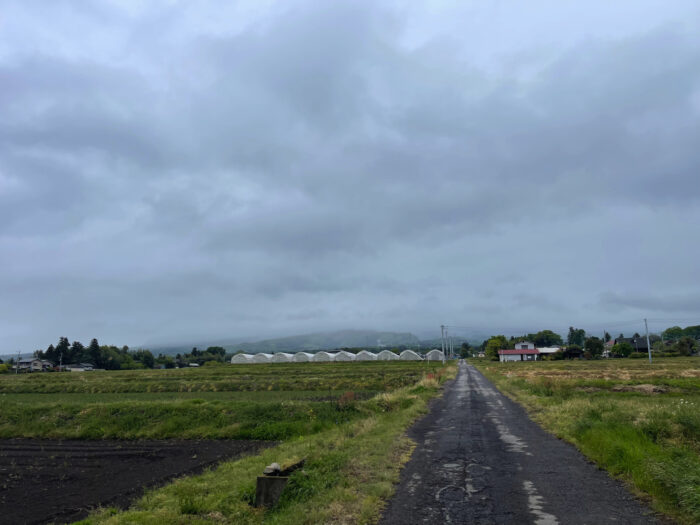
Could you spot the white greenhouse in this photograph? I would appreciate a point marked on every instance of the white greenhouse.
(262, 358)
(323, 357)
(364, 355)
(240, 359)
(409, 355)
(282, 357)
(386, 355)
(344, 356)
(303, 357)
(435, 355)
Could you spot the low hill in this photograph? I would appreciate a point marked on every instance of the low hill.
(329, 340)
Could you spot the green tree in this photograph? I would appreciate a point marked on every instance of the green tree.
(674, 333)
(546, 338)
(95, 353)
(465, 350)
(594, 346)
(607, 337)
(494, 344)
(685, 345)
(623, 349)
(576, 336)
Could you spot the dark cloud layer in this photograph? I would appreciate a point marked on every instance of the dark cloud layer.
(181, 170)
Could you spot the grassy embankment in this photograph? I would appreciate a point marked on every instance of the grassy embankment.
(354, 444)
(640, 422)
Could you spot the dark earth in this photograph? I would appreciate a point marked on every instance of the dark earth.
(481, 460)
(47, 481)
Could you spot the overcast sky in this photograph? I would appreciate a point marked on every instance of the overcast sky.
(191, 170)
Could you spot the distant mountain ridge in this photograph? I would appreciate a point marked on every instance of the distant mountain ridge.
(328, 340)
(304, 342)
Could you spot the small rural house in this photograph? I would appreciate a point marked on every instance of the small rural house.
(80, 367)
(409, 355)
(364, 355)
(344, 356)
(240, 359)
(262, 358)
(35, 365)
(282, 357)
(303, 357)
(518, 354)
(435, 355)
(387, 355)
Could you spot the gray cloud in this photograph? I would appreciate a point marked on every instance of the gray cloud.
(179, 171)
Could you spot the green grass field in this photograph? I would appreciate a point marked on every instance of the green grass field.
(346, 419)
(641, 422)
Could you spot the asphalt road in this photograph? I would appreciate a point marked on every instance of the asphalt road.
(480, 459)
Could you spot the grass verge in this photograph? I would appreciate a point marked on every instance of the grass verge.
(349, 473)
(640, 422)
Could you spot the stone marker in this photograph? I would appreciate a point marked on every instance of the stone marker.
(271, 484)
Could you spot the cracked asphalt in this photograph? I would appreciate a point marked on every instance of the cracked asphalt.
(480, 459)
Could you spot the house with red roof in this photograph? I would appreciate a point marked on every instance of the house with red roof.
(523, 351)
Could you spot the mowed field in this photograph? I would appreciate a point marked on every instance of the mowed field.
(345, 419)
(639, 421)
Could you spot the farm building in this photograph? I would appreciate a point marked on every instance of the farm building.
(303, 357)
(262, 358)
(364, 355)
(519, 354)
(34, 365)
(386, 355)
(240, 359)
(435, 355)
(409, 355)
(323, 357)
(282, 357)
(344, 356)
(549, 350)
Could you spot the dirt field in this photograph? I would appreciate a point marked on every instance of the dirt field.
(46, 481)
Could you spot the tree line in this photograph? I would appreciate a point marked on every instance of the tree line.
(672, 341)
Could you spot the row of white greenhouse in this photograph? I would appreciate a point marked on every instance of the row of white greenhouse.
(328, 357)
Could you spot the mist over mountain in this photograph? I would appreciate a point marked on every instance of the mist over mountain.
(297, 343)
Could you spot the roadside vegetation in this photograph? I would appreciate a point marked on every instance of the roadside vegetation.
(640, 422)
(346, 419)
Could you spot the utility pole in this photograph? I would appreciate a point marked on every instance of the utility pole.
(646, 327)
(19, 352)
(442, 338)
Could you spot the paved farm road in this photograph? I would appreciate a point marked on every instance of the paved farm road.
(480, 459)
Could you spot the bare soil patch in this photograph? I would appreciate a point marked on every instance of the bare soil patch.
(48, 481)
(644, 389)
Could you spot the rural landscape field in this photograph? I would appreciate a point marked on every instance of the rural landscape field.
(345, 420)
(639, 421)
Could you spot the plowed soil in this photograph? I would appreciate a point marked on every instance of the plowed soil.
(46, 481)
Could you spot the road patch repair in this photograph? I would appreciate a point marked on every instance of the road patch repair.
(45, 480)
(481, 459)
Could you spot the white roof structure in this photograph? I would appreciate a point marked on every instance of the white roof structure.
(344, 356)
(240, 359)
(409, 355)
(303, 357)
(435, 355)
(549, 349)
(282, 357)
(364, 355)
(262, 358)
(323, 357)
(386, 355)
